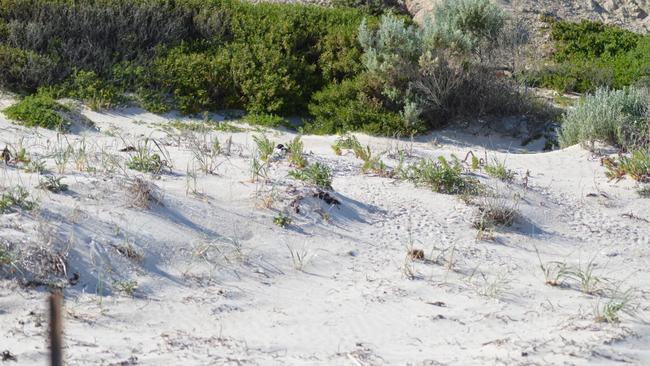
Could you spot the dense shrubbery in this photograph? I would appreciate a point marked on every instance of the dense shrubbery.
(590, 55)
(617, 117)
(349, 69)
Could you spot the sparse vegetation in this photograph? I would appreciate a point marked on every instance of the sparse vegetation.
(53, 184)
(145, 160)
(499, 171)
(15, 198)
(636, 165)
(440, 175)
(296, 156)
(265, 147)
(317, 174)
(282, 219)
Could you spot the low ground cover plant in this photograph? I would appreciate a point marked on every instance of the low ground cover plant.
(39, 111)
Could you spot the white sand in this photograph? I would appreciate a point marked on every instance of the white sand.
(217, 285)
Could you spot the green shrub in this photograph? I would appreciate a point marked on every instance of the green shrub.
(590, 40)
(95, 92)
(346, 107)
(590, 55)
(465, 26)
(266, 120)
(375, 7)
(196, 80)
(24, 71)
(39, 110)
(440, 175)
(612, 116)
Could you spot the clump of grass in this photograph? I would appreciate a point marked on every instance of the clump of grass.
(53, 184)
(39, 110)
(16, 198)
(440, 175)
(586, 277)
(143, 194)
(299, 257)
(636, 165)
(296, 156)
(499, 171)
(619, 303)
(265, 147)
(128, 287)
(282, 219)
(554, 272)
(494, 211)
(317, 174)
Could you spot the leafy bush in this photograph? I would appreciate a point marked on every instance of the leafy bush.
(39, 110)
(196, 80)
(24, 71)
(590, 55)
(589, 40)
(375, 7)
(611, 116)
(465, 26)
(88, 87)
(346, 107)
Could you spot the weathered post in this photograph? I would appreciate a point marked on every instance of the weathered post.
(56, 328)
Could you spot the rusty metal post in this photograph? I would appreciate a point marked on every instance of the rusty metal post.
(56, 328)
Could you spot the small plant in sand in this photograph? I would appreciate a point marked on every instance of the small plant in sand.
(296, 156)
(440, 175)
(53, 184)
(127, 287)
(620, 302)
(35, 166)
(636, 165)
(143, 194)
(129, 251)
(299, 257)
(554, 271)
(499, 171)
(145, 160)
(586, 277)
(494, 211)
(346, 142)
(6, 258)
(205, 151)
(16, 198)
(265, 147)
(644, 191)
(317, 174)
(282, 219)
(259, 169)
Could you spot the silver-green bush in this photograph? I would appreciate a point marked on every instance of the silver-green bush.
(611, 116)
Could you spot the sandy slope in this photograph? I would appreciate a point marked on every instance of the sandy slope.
(217, 284)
